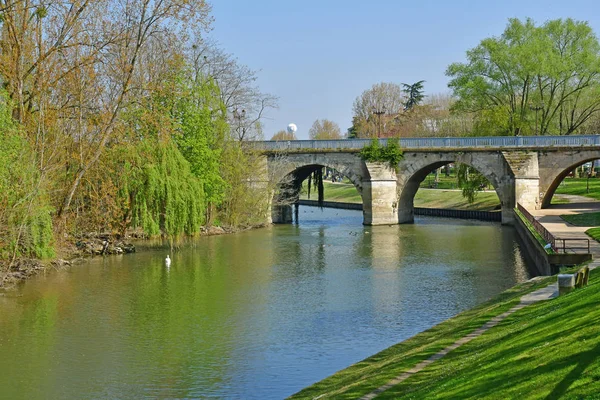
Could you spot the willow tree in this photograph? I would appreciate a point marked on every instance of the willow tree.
(532, 79)
(202, 131)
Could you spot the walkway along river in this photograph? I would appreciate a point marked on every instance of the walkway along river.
(260, 314)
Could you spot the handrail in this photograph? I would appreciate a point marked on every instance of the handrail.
(544, 233)
(494, 142)
(549, 237)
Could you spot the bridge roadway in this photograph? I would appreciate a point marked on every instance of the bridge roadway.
(521, 169)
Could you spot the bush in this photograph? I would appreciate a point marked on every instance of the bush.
(391, 153)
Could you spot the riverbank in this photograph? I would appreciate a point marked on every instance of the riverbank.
(76, 250)
(545, 350)
(426, 198)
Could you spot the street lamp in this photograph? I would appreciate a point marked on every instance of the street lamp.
(379, 112)
(536, 108)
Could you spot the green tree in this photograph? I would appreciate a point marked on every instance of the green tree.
(536, 79)
(414, 94)
(202, 120)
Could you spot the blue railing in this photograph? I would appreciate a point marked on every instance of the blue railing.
(437, 143)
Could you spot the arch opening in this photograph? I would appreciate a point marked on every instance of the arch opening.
(436, 186)
(323, 179)
(567, 182)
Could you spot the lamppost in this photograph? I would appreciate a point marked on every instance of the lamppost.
(239, 117)
(536, 108)
(379, 112)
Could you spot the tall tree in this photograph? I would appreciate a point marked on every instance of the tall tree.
(532, 79)
(324, 129)
(371, 110)
(414, 94)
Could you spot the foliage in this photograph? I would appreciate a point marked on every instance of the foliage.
(391, 153)
(284, 135)
(414, 94)
(324, 129)
(532, 79)
(25, 222)
(203, 126)
(243, 204)
(470, 181)
(383, 97)
(158, 191)
(246, 105)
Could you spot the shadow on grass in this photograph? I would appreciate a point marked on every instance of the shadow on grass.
(584, 360)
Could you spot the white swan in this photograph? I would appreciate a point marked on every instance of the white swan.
(167, 261)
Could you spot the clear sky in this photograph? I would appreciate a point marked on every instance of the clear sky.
(318, 56)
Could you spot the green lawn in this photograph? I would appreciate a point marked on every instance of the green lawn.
(586, 219)
(346, 192)
(548, 350)
(594, 233)
(578, 186)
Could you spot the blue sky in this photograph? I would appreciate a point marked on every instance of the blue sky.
(318, 56)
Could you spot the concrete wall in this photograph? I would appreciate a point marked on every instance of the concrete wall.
(532, 249)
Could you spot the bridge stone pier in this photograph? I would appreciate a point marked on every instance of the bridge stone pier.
(525, 170)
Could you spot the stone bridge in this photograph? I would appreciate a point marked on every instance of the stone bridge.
(526, 170)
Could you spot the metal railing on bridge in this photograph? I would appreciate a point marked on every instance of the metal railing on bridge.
(436, 143)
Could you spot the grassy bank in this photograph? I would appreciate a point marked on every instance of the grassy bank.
(346, 192)
(546, 350)
(586, 219)
(579, 187)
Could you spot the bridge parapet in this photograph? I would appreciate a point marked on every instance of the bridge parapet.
(435, 143)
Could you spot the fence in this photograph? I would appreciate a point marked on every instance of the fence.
(462, 214)
(436, 143)
(573, 246)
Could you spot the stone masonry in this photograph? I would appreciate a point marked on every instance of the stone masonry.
(525, 176)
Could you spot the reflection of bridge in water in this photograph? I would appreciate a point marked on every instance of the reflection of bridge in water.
(526, 170)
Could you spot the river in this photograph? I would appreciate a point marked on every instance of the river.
(259, 314)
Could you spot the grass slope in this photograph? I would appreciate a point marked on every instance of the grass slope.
(578, 186)
(346, 192)
(594, 233)
(547, 350)
(586, 219)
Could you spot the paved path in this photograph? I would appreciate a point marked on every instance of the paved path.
(546, 293)
(550, 218)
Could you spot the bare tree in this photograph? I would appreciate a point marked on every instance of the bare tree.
(371, 108)
(131, 24)
(246, 104)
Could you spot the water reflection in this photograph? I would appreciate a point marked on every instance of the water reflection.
(260, 314)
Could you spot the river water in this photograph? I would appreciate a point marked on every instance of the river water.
(260, 314)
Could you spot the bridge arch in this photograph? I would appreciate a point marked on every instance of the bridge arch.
(288, 172)
(415, 167)
(553, 170)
